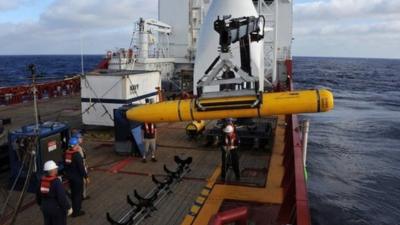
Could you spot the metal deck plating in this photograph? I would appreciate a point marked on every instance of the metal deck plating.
(196, 199)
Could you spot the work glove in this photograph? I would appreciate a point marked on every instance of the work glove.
(69, 212)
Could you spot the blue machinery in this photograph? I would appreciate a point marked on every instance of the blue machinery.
(52, 142)
(128, 134)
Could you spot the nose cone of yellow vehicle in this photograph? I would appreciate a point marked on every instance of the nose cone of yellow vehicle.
(326, 100)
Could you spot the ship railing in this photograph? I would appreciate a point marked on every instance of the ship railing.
(295, 208)
(23, 93)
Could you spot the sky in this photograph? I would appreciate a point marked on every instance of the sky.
(330, 28)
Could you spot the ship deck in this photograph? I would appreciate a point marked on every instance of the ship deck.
(195, 200)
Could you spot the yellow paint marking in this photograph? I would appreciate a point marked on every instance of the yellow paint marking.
(195, 209)
(276, 169)
(214, 177)
(210, 183)
(272, 193)
(188, 220)
(200, 200)
(212, 206)
(205, 192)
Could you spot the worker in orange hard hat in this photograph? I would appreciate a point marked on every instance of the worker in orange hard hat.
(229, 148)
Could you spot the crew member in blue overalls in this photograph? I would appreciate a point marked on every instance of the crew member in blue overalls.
(52, 198)
(82, 151)
(75, 172)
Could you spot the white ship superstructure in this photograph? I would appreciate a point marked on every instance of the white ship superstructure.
(183, 43)
(170, 44)
(186, 23)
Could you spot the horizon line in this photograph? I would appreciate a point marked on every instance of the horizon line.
(300, 56)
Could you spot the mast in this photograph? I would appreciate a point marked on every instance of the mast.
(32, 69)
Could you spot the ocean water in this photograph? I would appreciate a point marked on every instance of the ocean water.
(354, 151)
(13, 69)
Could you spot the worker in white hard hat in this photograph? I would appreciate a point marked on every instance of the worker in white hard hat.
(229, 147)
(52, 198)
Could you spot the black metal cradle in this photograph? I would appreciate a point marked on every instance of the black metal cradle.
(143, 206)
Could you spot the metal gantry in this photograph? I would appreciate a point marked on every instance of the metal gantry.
(269, 9)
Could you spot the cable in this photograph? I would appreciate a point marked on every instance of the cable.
(13, 186)
(24, 188)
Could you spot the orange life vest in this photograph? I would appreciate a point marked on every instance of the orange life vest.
(149, 128)
(45, 184)
(231, 140)
(69, 154)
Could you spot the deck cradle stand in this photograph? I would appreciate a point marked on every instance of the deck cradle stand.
(144, 206)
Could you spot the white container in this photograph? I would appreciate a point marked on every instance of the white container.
(104, 91)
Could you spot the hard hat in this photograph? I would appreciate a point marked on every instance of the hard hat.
(73, 141)
(77, 135)
(50, 165)
(228, 129)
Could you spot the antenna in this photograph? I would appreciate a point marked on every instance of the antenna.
(32, 69)
(82, 65)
